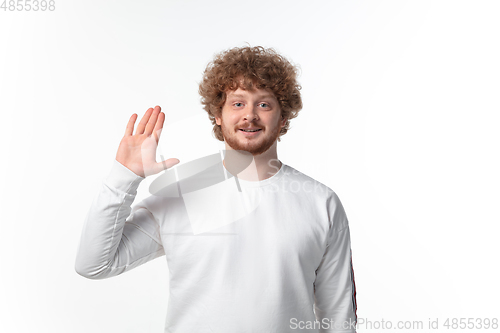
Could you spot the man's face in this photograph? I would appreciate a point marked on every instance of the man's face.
(249, 110)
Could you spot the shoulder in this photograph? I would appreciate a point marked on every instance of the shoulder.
(307, 183)
(316, 191)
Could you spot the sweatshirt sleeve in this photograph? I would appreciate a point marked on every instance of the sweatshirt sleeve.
(334, 288)
(115, 237)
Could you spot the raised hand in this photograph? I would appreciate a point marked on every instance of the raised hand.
(137, 151)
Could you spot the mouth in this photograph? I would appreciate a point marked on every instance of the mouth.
(250, 132)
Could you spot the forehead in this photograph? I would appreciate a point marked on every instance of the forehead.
(255, 93)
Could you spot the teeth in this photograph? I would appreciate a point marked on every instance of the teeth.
(249, 130)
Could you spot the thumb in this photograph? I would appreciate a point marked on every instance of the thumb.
(167, 164)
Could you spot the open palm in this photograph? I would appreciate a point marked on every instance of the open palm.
(137, 151)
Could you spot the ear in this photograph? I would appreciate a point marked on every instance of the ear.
(283, 121)
(218, 120)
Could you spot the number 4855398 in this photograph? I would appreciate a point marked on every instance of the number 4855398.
(28, 5)
(471, 323)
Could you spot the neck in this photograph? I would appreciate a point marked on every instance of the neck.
(252, 167)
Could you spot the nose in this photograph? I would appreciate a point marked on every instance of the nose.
(251, 114)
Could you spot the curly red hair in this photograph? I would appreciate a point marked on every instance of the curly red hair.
(249, 68)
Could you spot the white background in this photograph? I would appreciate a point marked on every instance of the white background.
(400, 119)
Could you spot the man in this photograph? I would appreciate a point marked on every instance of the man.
(272, 256)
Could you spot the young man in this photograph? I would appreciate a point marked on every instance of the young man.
(272, 256)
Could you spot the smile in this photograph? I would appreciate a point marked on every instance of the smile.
(250, 132)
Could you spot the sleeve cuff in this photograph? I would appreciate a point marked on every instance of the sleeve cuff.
(123, 178)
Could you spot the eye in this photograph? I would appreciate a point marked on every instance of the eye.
(238, 104)
(264, 105)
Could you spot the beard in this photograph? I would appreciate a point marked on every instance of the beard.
(254, 146)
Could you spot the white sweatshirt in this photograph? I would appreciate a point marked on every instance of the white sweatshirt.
(243, 256)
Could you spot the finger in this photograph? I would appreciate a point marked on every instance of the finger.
(167, 164)
(159, 126)
(130, 126)
(152, 121)
(144, 121)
